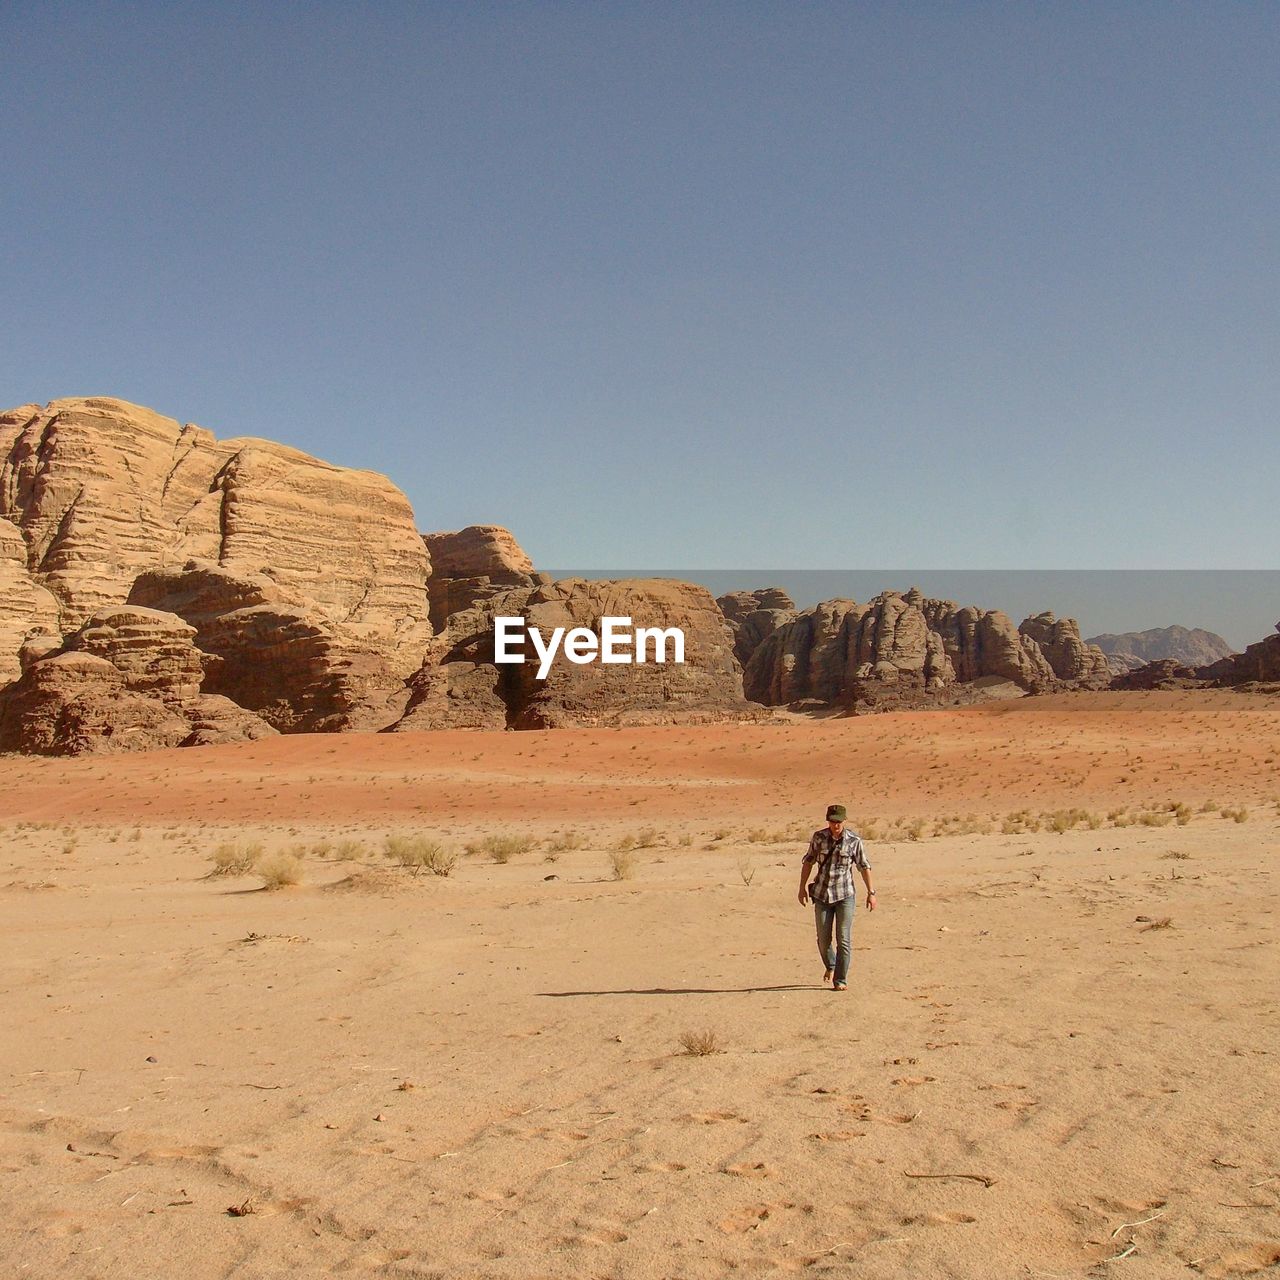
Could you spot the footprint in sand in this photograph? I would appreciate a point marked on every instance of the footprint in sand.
(748, 1170)
(838, 1135)
(716, 1117)
(913, 1080)
(668, 1166)
(752, 1218)
(938, 1219)
(1244, 1262)
(594, 1236)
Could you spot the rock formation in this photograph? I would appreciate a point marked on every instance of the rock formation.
(1258, 664)
(160, 587)
(128, 679)
(461, 684)
(1163, 673)
(1070, 658)
(470, 565)
(102, 491)
(1130, 650)
(303, 584)
(753, 616)
(901, 648)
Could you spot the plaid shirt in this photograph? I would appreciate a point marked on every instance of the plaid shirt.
(836, 860)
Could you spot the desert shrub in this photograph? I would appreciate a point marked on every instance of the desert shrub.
(277, 870)
(622, 862)
(699, 1044)
(565, 842)
(746, 870)
(419, 852)
(1155, 819)
(686, 840)
(647, 838)
(625, 843)
(502, 848)
(349, 850)
(235, 859)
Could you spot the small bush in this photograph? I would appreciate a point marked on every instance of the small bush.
(349, 850)
(502, 848)
(565, 842)
(234, 859)
(648, 838)
(419, 852)
(747, 870)
(699, 1044)
(279, 869)
(622, 862)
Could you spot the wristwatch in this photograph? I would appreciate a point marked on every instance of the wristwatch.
(871, 893)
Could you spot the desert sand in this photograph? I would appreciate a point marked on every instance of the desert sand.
(1057, 1055)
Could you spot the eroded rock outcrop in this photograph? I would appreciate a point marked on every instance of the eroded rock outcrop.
(298, 671)
(128, 679)
(753, 616)
(303, 584)
(472, 565)
(901, 648)
(462, 684)
(1071, 659)
(26, 608)
(1258, 664)
(102, 491)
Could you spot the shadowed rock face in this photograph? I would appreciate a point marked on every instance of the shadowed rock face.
(753, 616)
(1259, 663)
(841, 653)
(1187, 647)
(128, 679)
(462, 684)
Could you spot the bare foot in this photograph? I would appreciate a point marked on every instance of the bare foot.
(839, 986)
(826, 974)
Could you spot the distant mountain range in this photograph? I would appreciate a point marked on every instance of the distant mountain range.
(1192, 647)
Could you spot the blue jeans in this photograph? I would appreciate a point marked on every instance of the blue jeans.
(836, 917)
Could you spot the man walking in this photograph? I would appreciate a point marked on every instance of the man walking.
(835, 852)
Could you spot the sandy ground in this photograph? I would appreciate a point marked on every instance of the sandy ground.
(1057, 1056)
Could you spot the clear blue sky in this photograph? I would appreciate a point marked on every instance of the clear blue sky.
(715, 285)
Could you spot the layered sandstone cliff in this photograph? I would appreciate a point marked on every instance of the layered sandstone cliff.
(303, 584)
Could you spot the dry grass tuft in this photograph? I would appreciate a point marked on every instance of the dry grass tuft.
(700, 1044)
(622, 862)
(276, 870)
(419, 852)
(235, 859)
(502, 848)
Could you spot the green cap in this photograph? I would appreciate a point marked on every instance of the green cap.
(836, 813)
